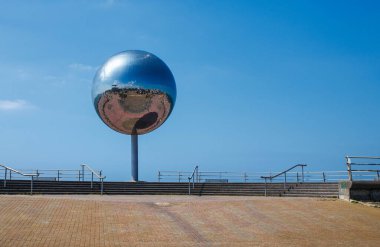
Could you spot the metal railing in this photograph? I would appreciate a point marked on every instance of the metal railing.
(192, 177)
(255, 177)
(285, 176)
(177, 176)
(363, 174)
(57, 175)
(53, 174)
(98, 175)
(31, 175)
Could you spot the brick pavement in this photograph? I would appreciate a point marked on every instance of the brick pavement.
(185, 221)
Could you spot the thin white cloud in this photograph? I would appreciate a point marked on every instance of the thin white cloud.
(82, 67)
(15, 105)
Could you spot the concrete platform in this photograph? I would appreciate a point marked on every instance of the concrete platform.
(92, 220)
(368, 191)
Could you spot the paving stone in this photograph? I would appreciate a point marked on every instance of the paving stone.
(91, 220)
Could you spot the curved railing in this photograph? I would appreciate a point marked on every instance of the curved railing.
(86, 173)
(256, 177)
(192, 177)
(98, 175)
(31, 175)
(285, 176)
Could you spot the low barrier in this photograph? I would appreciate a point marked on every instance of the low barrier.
(86, 173)
(256, 177)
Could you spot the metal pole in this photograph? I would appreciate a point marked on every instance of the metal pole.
(349, 168)
(134, 158)
(58, 175)
(303, 177)
(265, 186)
(297, 178)
(10, 175)
(101, 187)
(5, 177)
(179, 176)
(79, 175)
(31, 186)
(92, 179)
(285, 182)
(189, 187)
(245, 177)
(159, 176)
(82, 173)
(324, 177)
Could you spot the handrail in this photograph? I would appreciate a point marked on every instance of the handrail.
(284, 172)
(93, 172)
(350, 164)
(281, 173)
(195, 172)
(16, 171)
(31, 175)
(364, 157)
(255, 177)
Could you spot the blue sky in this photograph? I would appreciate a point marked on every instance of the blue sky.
(261, 85)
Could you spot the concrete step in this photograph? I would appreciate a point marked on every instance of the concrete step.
(311, 195)
(156, 188)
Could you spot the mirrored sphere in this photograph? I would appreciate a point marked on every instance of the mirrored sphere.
(134, 92)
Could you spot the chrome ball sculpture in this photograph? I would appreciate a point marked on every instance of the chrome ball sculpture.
(134, 93)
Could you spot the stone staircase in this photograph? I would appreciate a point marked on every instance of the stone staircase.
(164, 188)
(329, 190)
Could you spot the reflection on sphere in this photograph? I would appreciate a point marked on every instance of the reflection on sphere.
(134, 92)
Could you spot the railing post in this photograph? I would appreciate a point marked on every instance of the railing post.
(58, 175)
(10, 175)
(79, 175)
(378, 175)
(189, 186)
(297, 178)
(285, 181)
(31, 185)
(92, 179)
(197, 174)
(82, 173)
(324, 177)
(101, 186)
(100, 174)
(245, 177)
(179, 177)
(349, 168)
(159, 176)
(303, 175)
(5, 177)
(265, 186)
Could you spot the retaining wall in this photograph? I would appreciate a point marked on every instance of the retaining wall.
(360, 190)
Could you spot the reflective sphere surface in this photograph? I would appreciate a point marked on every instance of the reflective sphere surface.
(134, 92)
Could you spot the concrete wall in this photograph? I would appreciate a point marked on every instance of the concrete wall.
(359, 190)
